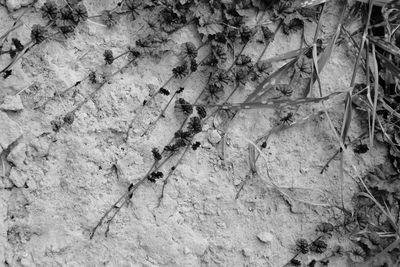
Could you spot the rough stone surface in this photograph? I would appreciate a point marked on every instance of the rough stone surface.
(12, 103)
(13, 5)
(18, 177)
(265, 237)
(214, 137)
(17, 155)
(10, 131)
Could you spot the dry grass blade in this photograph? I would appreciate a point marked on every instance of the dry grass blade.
(288, 55)
(270, 81)
(278, 188)
(252, 158)
(394, 70)
(346, 118)
(376, 87)
(388, 47)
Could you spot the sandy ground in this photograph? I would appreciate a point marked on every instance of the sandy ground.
(58, 185)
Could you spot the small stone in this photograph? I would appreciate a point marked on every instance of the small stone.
(214, 137)
(17, 4)
(246, 252)
(17, 155)
(265, 237)
(18, 178)
(10, 131)
(12, 103)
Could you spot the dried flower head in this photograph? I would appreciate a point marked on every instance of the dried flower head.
(196, 145)
(221, 78)
(211, 61)
(109, 18)
(261, 70)
(194, 125)
(181, 71)
(164, 91)
(287, 119)
(295, 262)
(17, 44)
(80, 13)
(244, 61)
(220, 38)
(303, 67)
(67, 30)
(185, 136)
(268, 35)
(220, 53)
(49, 10)
(57, 124)
(284, 89)
(92, 77)
(154, 176)
(246, 34)
(180, 90)
(193, 65)
(318, 246)
(302, 246)
(66, 13)
(357, 254)
(132, 6)
(108, 57)
(156, 154)
(325, 227)
(240, 76)
(232, 34)
(69, 118)
(38, 34)
(184, 106)
(189, 50)
(201, 111)
(293, 25)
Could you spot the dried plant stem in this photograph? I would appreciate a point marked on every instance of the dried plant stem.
(90, 96)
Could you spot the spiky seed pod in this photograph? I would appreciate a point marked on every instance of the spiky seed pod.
(246, 34)
(232, 34)
(164, 91)
(156, 154)
(303, 67)
(357, 254)
(184, 106)
(288, 119)
(244, 61)
(132, 6)
(325, 228)
(196, 145)
(92, 77)
(67, 30)
(194, 125)
(38, 33)
(80, 13)
(109, 18)
(240, 76)
(57, 124)
(268, 35)
(193, 65)
(180, 71)
(221, 78)
(261, 70)
(18, 45)
(69, 118)
(201, 111)
(318, 246)
(189, 50)
(49, 10)
(220, 53)
(220, 38)
(211, 61)
(66, 13)
(180, 134)
(295, 262)
(108, 57)
(154, 176)
(302, 246)
(284, 89)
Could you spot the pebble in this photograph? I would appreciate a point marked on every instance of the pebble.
(10, 131)
(214, 137)
(18, 178)
(17, 4)
(17, 155)
(12, 103)
(265, 237)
